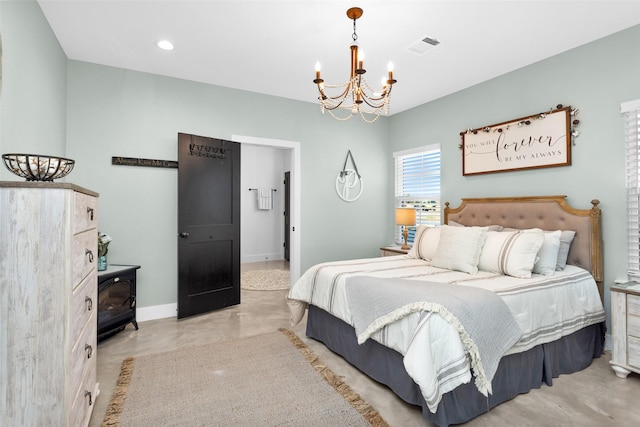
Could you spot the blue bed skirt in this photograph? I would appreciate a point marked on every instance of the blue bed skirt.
(517, 373)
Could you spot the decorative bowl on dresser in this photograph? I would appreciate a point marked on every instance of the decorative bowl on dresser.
(48, 300)
(37, 167)
(625, 318)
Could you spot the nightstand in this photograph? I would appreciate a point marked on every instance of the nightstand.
(625, 318)
(392, 251)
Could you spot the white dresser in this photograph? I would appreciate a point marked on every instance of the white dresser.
(625, 317)
(48, 304)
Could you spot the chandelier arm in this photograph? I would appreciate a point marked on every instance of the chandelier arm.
(385, 90)
(329, 108)
(370, 104)
(343, 95)
(340, 97)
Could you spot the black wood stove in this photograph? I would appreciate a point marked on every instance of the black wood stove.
(116, 299)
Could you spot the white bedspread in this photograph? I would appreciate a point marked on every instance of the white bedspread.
(546, 308)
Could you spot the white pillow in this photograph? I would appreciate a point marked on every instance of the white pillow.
(512, 253)
(425, 242)
(548, 254)
(566, 237)
(489, 227)
(459, 248)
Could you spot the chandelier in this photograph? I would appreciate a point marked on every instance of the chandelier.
(357, 97)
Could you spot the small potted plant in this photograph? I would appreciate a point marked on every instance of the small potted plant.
(103, 248)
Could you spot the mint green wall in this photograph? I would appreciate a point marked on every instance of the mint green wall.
(33, 92)
(116, 112)
(595, 78)
(95, 112)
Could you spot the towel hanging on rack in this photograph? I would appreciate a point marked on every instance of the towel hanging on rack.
(265, 199)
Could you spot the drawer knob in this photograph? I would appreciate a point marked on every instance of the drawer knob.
(89, 302)
(89, 350)
(89, 254)
(88, 393)
(90, 213)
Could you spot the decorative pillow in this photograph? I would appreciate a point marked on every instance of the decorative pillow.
(489, 227)
(459, 248)
(566, 237)
(511, 253)
(548, 254)
(425, 242)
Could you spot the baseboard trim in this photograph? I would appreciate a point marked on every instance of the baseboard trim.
(261, 257)
(156, 312)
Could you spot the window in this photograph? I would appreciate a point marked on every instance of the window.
(631, 111)
(418, 186)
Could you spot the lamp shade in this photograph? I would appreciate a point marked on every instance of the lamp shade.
(405, 216)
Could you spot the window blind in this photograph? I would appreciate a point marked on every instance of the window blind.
(418, 186)
(631, 112)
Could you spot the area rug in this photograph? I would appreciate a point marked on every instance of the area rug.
(265, 280)
(264, 380)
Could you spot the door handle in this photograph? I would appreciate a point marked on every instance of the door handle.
(184, 234)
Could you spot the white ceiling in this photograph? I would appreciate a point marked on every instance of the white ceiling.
(271, 47)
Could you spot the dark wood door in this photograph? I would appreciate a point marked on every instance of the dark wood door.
(208, 224)
(287, 217)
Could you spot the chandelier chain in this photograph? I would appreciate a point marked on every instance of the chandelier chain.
(354, 36)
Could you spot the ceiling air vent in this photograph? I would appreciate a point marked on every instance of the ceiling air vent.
(422, 46)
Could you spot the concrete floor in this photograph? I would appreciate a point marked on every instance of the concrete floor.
(593, 397)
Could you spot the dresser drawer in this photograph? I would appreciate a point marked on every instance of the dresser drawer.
(633, 326)
(83, 354)
(85, 212)
(633, 352)
(84, 399)
(633, 305)
(83, 304)
(84, 256)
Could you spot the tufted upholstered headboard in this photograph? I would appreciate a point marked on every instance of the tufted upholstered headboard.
(545, 212)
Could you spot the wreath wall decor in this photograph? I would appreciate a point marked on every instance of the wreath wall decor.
(349, 183)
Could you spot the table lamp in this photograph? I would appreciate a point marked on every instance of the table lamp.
(405, 217)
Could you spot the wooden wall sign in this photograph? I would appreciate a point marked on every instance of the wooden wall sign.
(539, 141)
(131, 161)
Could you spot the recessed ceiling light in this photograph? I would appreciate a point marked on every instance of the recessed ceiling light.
(165, 45)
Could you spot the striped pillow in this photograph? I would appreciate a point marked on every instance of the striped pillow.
(511, 253)
(425, 242)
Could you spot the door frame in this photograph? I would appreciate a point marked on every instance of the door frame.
(295, 231)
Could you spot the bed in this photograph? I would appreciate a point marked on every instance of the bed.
(503, 297)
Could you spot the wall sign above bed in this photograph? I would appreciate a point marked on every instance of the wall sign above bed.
(538, 141)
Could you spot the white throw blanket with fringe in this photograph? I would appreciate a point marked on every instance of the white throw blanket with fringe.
(486, 327)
